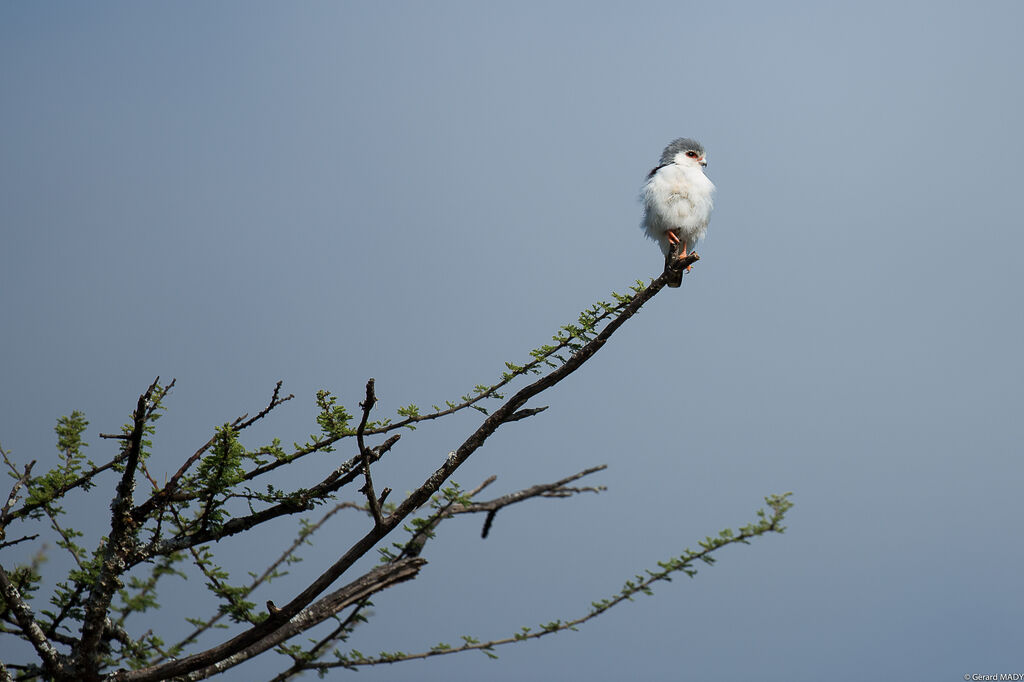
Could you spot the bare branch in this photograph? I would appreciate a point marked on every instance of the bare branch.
(24, 538)
(556, 489)
(477, 490)
(541, 490)
(367, 488)
(275, 400)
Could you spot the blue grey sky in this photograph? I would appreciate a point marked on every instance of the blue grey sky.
(236, 193)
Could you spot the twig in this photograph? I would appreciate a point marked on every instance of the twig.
(354, 462)
(13, 497)
(415, 544)
(533, 491)
(275, 400)
(367, 488)
(24, 538)
(477, 490)
(556, 489)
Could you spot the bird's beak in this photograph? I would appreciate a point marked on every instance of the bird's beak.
(703, 162)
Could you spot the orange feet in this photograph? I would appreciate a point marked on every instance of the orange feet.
(673, 239)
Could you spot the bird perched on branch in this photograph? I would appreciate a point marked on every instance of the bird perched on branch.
(677, 200)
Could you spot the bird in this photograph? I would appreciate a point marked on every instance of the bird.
(677, 200)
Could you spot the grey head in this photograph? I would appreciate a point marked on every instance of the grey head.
(682, 144)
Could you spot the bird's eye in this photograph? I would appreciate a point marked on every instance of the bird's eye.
(691, 154)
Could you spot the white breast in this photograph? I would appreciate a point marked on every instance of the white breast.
(677, 198)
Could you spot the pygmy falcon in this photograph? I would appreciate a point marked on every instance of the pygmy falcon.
(677, 199)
